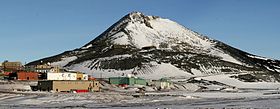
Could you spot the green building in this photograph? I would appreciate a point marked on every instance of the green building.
(127, 80)
(140, 81)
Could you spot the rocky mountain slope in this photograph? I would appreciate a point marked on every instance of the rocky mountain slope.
(154, 47)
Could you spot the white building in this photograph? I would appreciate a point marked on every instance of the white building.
(85, 77)
(162, 84)
(61, 76)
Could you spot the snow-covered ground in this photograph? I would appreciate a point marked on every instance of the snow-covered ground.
(251, 95)
(268, 99)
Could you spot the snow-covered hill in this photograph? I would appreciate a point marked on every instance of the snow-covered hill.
(154, 47)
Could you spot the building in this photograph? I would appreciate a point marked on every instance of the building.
(161, 84)
(95, 87)
(21, 75)
(127, 81)
(57, 69)
(140, 81)
(1, 68)
(43, 68)
(81, 76)
(121, 80)
(68, 86)
(61, 76)
(12, 66)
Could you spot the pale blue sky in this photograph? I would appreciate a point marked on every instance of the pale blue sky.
(34, 29)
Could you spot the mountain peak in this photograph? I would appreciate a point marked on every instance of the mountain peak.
(156, 47)
(135, 13)
(139, 30)
(139, 17)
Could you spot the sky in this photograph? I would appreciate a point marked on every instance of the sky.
(34, 29)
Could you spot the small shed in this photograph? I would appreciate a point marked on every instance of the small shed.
(162, 83)
(95, 86)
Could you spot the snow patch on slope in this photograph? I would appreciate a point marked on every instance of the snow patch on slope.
(224, 56)
(158, 71)
(240, 84)
(88, 46)
(64, 61)
(85, 67)
(165, 70)
(116, 56)
(258, 57)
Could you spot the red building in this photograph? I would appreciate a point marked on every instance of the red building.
(22, 75)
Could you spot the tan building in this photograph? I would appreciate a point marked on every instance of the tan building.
(44, 66)
(81, 76)
(57, 69)
(95, 86)
(67, 86)
(1, 66)
(12, 65)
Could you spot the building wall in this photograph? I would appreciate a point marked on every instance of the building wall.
(162, 84)
(42, 70)
(127, 80)
(85, 77)
(61, 76)
(96, 86)
(43, 66)
(121, 80)
(115, 80)
(45, 85)
(27, 75)
(59, 86)
(79, 76)
(140, 81)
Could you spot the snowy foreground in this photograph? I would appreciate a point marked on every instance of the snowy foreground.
(244, 95)
(267, 99)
